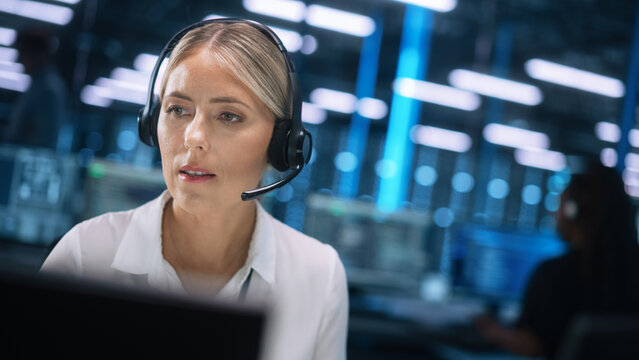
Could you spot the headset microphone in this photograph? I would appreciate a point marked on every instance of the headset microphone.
(291, 144)
(251, 194)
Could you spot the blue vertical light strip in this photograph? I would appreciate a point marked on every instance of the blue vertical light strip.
(630, 101)
(398, 151)
(366, 84)
(494, 110)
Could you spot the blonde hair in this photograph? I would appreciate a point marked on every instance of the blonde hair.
(247, 53)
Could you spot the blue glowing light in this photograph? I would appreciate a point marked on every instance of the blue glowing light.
(425, 175)
(551, 202)
(531, 194)
(385, 168)
(127, 140)
(346, 161)
(365, 88)
(498, 188)
(444, 217)
(405, 112)
(463, 182)
(557, 183)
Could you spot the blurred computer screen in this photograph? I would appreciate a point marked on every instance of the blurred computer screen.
(382, 251)
(37, 190)
(494, 264)
(112, 186)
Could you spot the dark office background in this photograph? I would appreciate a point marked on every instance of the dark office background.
(436, 182)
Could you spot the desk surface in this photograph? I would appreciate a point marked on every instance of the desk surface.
(393, 325)
(22, 256)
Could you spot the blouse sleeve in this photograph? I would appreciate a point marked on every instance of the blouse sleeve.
(331, 342)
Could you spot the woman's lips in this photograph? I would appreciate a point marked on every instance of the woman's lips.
(195, 174)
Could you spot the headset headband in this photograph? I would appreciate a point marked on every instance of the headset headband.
(168, 49)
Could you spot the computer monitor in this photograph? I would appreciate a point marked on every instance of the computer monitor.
(380, 251)
(36, 194)
(52, 316)
(112, 186)
(494, 264)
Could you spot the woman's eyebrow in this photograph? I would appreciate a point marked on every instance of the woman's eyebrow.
(219, 99)
(178, 94)
(228, 99)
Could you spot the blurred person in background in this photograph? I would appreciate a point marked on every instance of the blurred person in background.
(598, 275)
(225, 90)
(38, 113)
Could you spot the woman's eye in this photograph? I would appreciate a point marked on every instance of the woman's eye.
(229, 117)
(177, 110)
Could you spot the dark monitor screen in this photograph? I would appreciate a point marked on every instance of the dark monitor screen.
(6, 171)
(46, 315)
(495, 264)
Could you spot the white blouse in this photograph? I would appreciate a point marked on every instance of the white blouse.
(301, 277)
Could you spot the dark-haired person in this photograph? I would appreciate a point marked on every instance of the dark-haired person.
(38, 113)
(599, 274)
(225, 88)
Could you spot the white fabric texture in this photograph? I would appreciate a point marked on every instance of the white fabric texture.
(301, 278)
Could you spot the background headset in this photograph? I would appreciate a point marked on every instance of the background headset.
(570, 209)
(291, 144)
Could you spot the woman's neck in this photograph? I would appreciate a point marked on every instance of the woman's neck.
(212, 245)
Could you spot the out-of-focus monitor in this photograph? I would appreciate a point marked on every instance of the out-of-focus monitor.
(495, 264)
(111, 186)
(51, 316)
(36, 194)
(380, 251)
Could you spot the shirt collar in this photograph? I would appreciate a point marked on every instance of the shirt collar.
(262, 252)
(141, 247)
(140, 251)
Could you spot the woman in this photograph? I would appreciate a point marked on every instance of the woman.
(597, 275)
(225, 87)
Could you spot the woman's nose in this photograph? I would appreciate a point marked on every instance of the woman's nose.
(195, 136)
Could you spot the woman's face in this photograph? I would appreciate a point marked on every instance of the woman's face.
(567, 226)
(213, 134)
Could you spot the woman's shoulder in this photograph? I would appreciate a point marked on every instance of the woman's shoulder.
(97, 239)
(297, 240)
(112, 225)
(299, 248)
(98, 235)
(107, 225)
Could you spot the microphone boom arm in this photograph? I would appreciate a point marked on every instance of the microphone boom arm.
(251, 194)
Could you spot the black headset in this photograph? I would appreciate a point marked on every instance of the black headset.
(291, 144)
(571, 209)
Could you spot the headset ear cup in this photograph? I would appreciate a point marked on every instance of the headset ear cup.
(299, 148)
(277, 149)
(143, 126)
(155, 117)
(571, 210)
(148, 122)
